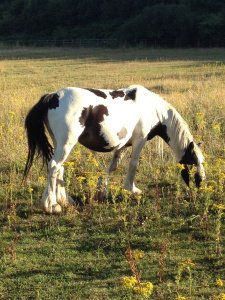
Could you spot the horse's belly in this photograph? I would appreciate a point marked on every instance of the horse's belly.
(107, 127)
(95, 141)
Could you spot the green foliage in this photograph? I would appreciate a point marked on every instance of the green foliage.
(160, 23)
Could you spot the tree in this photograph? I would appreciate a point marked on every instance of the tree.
(158, 22)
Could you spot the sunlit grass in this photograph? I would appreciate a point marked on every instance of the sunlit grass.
(82, 254)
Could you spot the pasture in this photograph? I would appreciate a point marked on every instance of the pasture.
(171, 237)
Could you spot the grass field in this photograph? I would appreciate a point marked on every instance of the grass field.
(172, 237)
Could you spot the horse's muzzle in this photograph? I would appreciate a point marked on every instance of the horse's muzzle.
(199, 175)
(198, 180)
(185, 175)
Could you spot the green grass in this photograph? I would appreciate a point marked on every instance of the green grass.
(81, 254)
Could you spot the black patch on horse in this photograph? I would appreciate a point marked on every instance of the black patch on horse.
(116, 94)
(97, 93)
(122, 133)
(84, 115)
(131, 95)
(91, 117)
(160, 130)
(189, 157)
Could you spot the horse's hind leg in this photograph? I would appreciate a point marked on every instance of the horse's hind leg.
(101, 193)
(62, 197)
(55, 174)
(117, 156)
(116, 159)
(48, 201)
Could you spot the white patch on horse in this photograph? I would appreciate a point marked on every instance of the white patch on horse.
(116, 119)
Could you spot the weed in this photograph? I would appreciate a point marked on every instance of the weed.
(219, 209)
(185, 266)
(134, 282)
(162, 257)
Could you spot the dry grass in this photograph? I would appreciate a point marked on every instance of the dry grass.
(93, 256)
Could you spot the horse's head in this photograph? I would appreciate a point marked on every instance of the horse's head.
(193, 156)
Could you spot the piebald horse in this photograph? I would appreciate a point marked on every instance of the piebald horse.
(104, 121)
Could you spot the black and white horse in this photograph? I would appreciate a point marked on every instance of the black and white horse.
(104, 120)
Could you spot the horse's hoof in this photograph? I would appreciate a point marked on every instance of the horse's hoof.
(56, 209)
(137, 191)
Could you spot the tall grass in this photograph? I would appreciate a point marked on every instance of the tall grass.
(82, 254)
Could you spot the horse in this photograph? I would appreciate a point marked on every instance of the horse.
(104, 120)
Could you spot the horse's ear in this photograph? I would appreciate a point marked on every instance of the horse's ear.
(185, 175)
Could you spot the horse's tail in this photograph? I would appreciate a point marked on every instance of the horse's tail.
(36, 134)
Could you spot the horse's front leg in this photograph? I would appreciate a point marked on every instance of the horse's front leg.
(129, 183)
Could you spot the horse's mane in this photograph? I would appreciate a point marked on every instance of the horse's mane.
(178, 130)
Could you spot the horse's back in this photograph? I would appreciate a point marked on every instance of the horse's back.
(101, 119)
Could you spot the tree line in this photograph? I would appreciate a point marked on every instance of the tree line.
(171, 23)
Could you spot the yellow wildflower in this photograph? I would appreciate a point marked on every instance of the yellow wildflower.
(145, 289)
(41, 179)
(181, 298)
(220, 297)
(80, 179)
(220, 207)
(129, 282)
(207, 189)
(222, 176)
(200, 120)
(126, 192)
(216, 128)
(69, 164)
(219, 282)
(30, 189)
(12, 113)
(138, 254)
(180, 167)
(188, 263)
(94, 162)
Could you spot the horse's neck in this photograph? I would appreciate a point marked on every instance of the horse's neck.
(177, 131)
